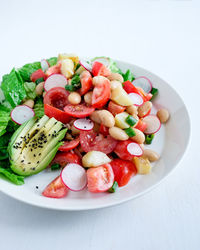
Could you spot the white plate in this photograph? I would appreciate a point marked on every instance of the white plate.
(170, 142)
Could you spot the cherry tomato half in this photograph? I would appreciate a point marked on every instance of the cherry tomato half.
(121, 150)
(79, 111)
(68, 145)
(56, 69)
(56, 189)
(115, 108)
(141, 125)
(101, 94)
(58, 114)
(86, 82)
(103, 130)
(90, 141)
(37, 74)
(123, 171)
(57, 97)
(100, 179)
(99, 69)
(62, 158)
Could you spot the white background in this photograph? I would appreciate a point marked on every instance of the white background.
(161, 36)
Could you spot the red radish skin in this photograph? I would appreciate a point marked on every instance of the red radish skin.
(21, 114)
(146, 85)
(55, 80)
(85, 65)
(134, 149)
(74, 177)
(153, 124)
(83, 124)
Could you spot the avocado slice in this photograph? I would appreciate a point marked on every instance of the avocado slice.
(34, 145)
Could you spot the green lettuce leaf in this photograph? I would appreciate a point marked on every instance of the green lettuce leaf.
(28, 69)
(39, 107)
(30, 90)
(52, 61)
(16, 179)
(13, 89)
(4, 119)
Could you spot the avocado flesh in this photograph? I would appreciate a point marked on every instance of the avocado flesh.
(40, 149)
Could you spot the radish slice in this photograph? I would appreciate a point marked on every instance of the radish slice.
(44, 65)
(137, 99)
(21, 114)
(134, 149)
(144, 83)
(85, 65)
(74, 177)
(153, 124)
(55, 80)
(103, 60)
(84, 124)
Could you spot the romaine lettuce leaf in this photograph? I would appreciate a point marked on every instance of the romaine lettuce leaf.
(16, 179)
(4, 119)
(13, 89)
(39, 107)
(28, 69)
(52, 61)
(30, 90)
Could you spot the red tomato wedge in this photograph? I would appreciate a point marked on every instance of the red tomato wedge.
(90, 141)
(146, 97)
(123, 171)
(141, 125)
(103, 130)
(58, 114)
(56, 189)
(62, 158)
(68, 145)
(100, 179)
(121, 150)
(37, 74)
(99, 69)
(130, 88)
(56, 69)
(79, 111)
(115, 108)
(101, 94)
(86, 82)
(56, 97)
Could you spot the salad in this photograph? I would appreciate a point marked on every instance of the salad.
(87, 120)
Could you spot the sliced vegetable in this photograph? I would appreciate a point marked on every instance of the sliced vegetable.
(115, 108)
(21, 114)
(134, 149)
(79, 111)
(141, 125)
(142, 164)
(130, 132)
(114, 187)
(120, 120)
(84, 124)
(149, 138)
(54, 81)
(154, 92)
(67, 68)
(86, 82)
(99, 69)
(58, 114)
(123, 171)
(37, 74)
(44, 65)
(90, 141)
(131, 120)
(100, 179)
(85, 65)
(56, 69)
(101, 93)
(120, 96)
(136, 99)
(121, 150)
(56, 189)
(144, 83)
(74, 177)
(153, 124)
(103, 130)
(63, 158)
(69, 145)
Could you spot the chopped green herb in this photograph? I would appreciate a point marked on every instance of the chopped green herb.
(39, 80)
(131, 120)
(52, 61)
(39, 107)
(75, 83)
(113, 188)
(149, 138)
(30, 90)
(55, 166)
(128, 76)
(130, 132)
(154, 92)
(77, 66)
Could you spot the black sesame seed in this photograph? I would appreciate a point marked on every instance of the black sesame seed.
(36, 187)
(29, 162)
(38, 162)
(34, 155)
(22, 160)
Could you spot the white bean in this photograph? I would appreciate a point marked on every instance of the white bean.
(98, 80)
(74, 98)
(139, 137)
(88, 98)
(106, 118)
(132, 110)
(29, 103)
(151, 155)
(144, 109)
(118, 134)
(39, 88)
(115, 76)
(163, 115)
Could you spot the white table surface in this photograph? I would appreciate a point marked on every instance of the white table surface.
(162, 36)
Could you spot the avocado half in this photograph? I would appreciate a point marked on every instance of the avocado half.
(34, 145)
